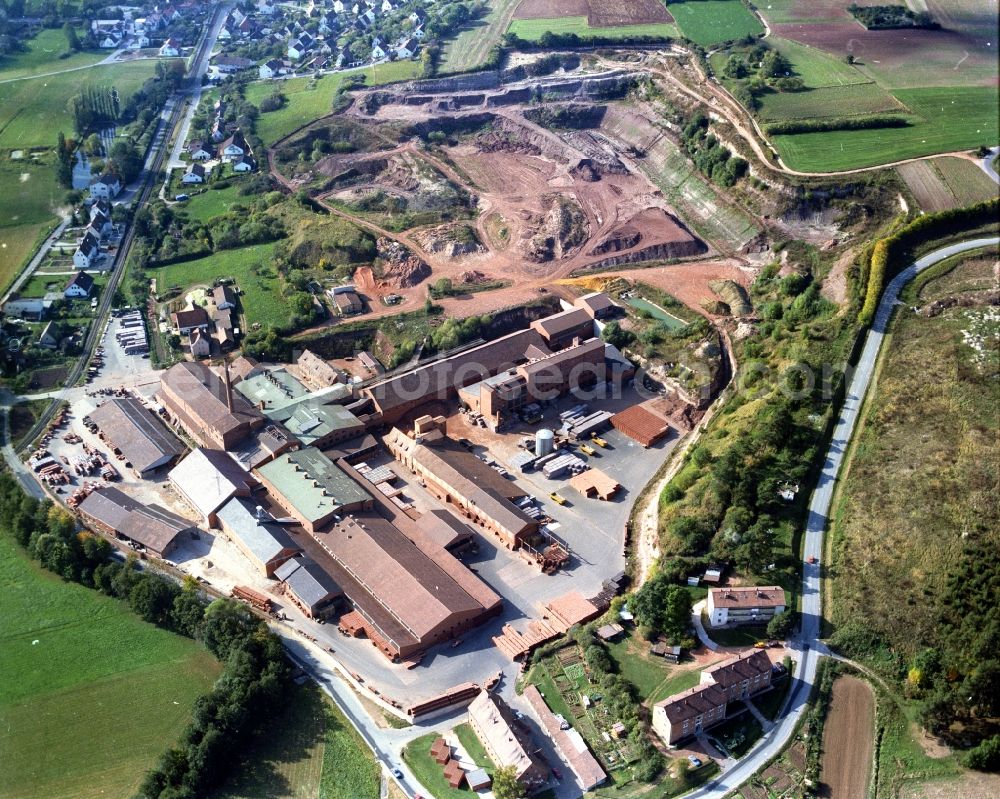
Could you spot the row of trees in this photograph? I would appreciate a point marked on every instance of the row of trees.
(254, 679)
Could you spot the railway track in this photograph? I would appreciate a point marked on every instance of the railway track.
(170, 116)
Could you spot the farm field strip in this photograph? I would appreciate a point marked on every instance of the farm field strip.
(473, 43)
(708, 22)
(533, 29)
(848, 739)
(945, 120)
(816, 67)
(17, 245)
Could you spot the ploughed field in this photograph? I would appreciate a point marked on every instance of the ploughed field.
(593, 18)
(848, 739)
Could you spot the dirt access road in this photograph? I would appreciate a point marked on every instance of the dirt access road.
(848, 740)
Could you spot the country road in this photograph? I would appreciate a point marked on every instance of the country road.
(808, 645)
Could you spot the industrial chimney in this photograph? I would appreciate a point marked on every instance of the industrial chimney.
(228, 384)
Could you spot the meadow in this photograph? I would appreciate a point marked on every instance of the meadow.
(42, 56)
(708, 22)
(33, 111)
(944, 120)
(311, 98)
(251, 267)
(214, 202)
(533, 29)
(828, 101)
(92, 695)
(27, 204)
(310, 750)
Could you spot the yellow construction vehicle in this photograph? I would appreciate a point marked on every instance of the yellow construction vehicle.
(557, 499)
(599, 441)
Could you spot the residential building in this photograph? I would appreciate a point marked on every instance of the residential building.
(171, 48)
(79, 286)
(32, 309)
(144, 526)
(234, 146)
(744, 604)
(199, 343)
(265, 542)
(194, 174)
(408, 48)
(270, 69)
(208, 478)
(243, 164)
(198, 151)
(311, 488)
(190, 318)
(693, 711)
(505, 741)
(205, 405)
(137, 433)
(51, 336)
(87, 252)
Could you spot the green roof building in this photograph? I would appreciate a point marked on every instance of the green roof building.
(312, 488)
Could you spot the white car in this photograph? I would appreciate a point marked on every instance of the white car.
(695, 761)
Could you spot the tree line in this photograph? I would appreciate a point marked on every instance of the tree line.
(254, 679)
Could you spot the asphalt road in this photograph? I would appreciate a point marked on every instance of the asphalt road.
(809, 647)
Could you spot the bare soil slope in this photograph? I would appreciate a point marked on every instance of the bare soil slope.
(848, 740)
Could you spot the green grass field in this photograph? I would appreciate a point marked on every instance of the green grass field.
(310, 750)
(27, 203)
(533, 29)
(945, 119)
(251, 267)
(417, 755)
(815, 67)
(32, 112)
(829, 101)
(966, 181)
(708, 22)
(214, 202)
(474, 747)
(309, 99)
(91, 695)
(42, 56)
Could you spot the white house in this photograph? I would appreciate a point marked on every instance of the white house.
(388, 6)
(418, 17)
(100, 223)
(198, 151)
(106, 187)
(748, 604)
(195, 174)
(225, 35)
(170, 48)
(86, 254)
(243, 163)
(109, 42)
(270, 69)
(407, 49)
(297, 49)
(338, 6)
(80, 285)
(140, 41)
(378, 52)
(418, 33)
(201, 344)
(234, 146)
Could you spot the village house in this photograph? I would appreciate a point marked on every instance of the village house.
(744, 604)
(233, 147)
(79, 286)
(170, 48)
(187, 320)
(194, 174)
(87, 252)
(106, 187)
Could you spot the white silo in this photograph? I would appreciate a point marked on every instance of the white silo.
(544, 442)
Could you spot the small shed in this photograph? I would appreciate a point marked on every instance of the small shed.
(609, 632)
(454, 773)
(669, 652)
(618, 729)
(440, 751)
(478, 779)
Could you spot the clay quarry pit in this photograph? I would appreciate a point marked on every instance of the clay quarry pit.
(481, 179)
